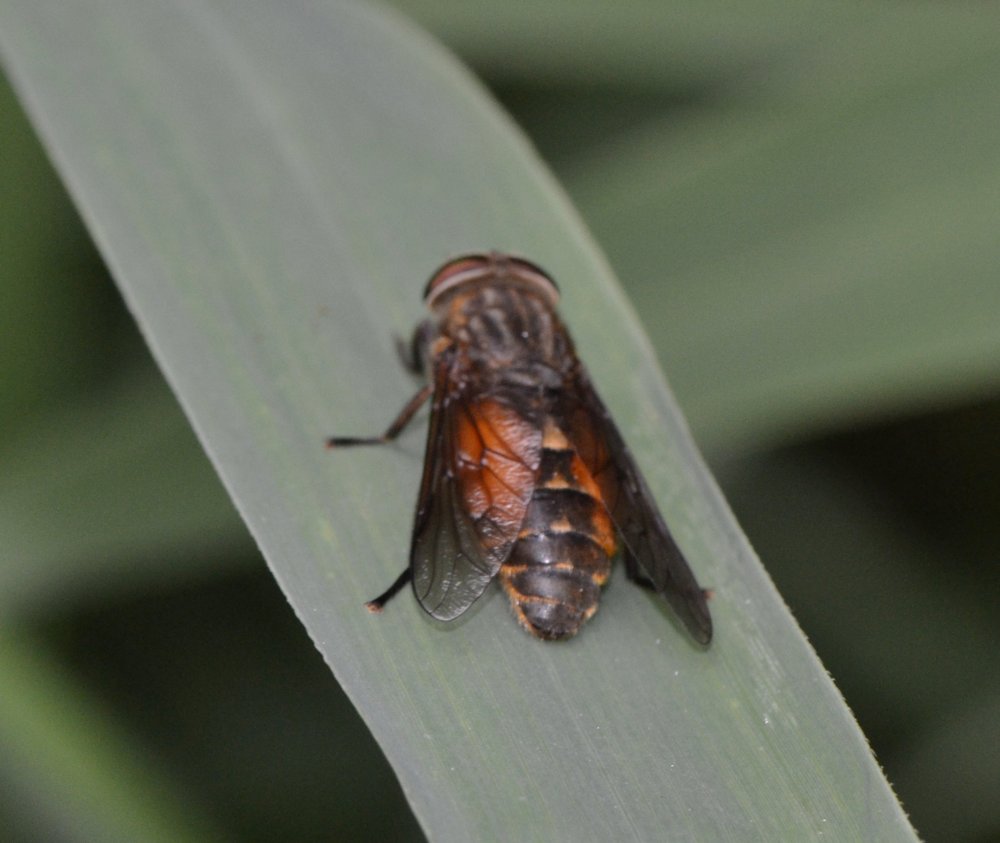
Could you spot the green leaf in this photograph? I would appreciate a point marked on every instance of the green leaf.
(108, 493)
(271, 187)
(822, 247)
(892, 608)
(46, 275)
(960, 748)
(68, 773)
(647, 43)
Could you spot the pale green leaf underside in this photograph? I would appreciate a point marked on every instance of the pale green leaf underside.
(271, 186)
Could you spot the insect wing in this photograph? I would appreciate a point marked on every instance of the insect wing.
(480, 467)
(651, 555)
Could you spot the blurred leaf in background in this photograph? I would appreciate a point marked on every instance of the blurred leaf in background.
(803, 202)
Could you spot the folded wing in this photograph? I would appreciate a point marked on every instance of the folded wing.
(479, 474)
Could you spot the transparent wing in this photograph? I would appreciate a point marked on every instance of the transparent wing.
(652, 556)
(479, 473)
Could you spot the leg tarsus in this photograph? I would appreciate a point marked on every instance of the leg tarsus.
(403, 419)
(375, 606)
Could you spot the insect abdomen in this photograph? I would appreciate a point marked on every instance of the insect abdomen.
(563, 552)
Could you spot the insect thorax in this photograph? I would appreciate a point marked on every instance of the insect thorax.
(509, 329)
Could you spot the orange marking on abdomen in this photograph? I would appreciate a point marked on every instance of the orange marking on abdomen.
(604, 531)
(553, 438)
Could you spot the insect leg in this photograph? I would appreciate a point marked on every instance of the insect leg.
(407, 413)
(412, 353)
(394, 589)
(407, 356)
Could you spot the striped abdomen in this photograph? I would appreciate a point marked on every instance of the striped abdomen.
(563, 552)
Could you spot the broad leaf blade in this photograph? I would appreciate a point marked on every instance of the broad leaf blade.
(270, 188)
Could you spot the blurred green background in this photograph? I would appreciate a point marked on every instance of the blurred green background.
(803, 203)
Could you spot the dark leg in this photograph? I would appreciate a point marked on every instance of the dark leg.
(412, 353)
(407, 413)
(404, 350)
(376, 605)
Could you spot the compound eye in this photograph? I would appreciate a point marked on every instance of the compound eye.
(492, 267)
(533, 273)
(457, 271)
